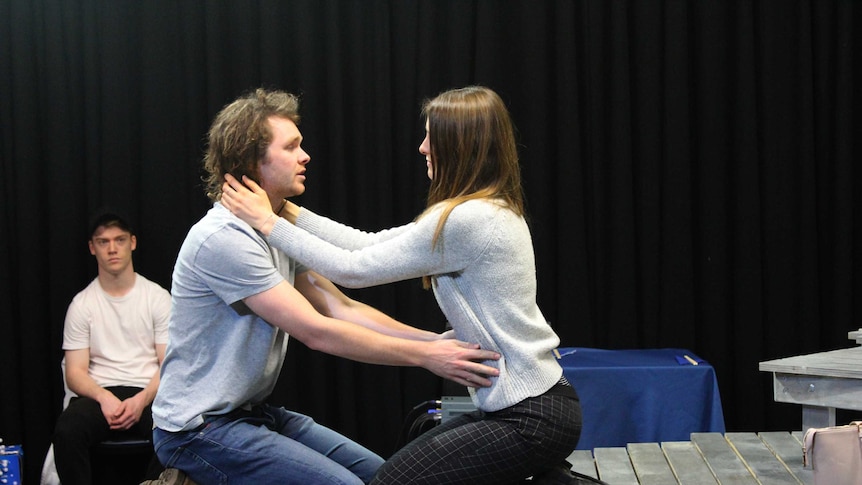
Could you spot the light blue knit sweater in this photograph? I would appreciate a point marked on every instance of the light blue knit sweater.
(485, 283)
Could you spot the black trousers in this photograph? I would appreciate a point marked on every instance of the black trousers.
(496, 448)
(81, 426)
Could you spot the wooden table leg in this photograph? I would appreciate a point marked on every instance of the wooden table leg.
(817, 417)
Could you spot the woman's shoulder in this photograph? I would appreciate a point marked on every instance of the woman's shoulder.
(482, 209)
(479, 215)
(481, 206)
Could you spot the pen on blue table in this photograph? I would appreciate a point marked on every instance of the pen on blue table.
(693, 362)
(559, 356)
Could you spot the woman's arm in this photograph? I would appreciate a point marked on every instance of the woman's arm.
(250, 203)
(406, 255)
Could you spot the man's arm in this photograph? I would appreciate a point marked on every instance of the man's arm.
(149, 392)
(129, 413)
(332, 302)
(78, 376)
(285, 307)
(79, 381)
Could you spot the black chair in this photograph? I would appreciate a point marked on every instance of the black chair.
(115, 462)
(123, 462)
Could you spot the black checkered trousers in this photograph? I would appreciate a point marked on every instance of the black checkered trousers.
(501, 447)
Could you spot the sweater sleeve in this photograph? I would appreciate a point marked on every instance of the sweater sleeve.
(402, 254)
(341, 235)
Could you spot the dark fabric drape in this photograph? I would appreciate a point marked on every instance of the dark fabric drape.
(691, 169)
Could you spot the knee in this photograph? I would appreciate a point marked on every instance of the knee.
(65, 427)
(79, 424)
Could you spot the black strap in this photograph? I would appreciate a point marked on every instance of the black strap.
(587, 478)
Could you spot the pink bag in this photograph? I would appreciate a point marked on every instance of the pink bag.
(834, 454)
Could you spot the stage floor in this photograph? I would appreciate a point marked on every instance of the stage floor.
(709, 458)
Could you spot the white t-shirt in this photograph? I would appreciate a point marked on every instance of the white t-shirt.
(121, 332)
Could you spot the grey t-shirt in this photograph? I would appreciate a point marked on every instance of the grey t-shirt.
(220, 356)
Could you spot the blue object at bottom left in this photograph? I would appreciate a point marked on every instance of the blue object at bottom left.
(10, 464)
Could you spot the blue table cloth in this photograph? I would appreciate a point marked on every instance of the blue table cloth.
(642, 396)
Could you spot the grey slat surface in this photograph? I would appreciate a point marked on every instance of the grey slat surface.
(687, 463)
(765, 458)
(614, 466)
(582, 462)
(789, 450)
(834, 363)
(650, 464)
(725, 464)
(768, 469)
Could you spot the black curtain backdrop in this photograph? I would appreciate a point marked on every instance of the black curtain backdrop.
(691, 170)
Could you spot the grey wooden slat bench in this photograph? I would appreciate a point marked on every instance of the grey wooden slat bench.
(769, 458)
(582, 462)
(727, 466)
(687, 463)
(615, 466)
(764, 464)
(786, 446)
(650, 464)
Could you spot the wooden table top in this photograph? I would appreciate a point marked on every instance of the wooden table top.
(845, 363)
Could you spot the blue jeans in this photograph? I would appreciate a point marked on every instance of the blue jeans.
(267, 445)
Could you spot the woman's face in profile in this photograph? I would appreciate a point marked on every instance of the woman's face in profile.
(425, 149)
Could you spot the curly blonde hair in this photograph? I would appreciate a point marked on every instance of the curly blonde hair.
(240, 135)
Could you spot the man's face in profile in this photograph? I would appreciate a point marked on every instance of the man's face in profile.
(282, 172)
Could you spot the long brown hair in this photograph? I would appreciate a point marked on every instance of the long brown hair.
(473, 152)
(240, 135)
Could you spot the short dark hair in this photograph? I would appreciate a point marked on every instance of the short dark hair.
(109, 219)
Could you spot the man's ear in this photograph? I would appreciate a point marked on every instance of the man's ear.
(253, 175)
(134, 242)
